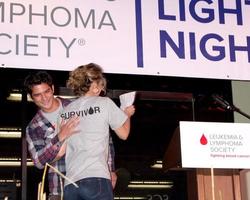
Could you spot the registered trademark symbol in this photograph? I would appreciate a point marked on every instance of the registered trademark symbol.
(81, 42)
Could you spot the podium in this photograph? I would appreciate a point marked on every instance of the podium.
(199, 180)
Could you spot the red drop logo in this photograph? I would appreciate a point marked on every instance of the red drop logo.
(203, 140)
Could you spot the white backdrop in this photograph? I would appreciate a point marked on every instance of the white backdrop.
(207, 39)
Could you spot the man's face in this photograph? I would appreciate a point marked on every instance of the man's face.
(43, 97)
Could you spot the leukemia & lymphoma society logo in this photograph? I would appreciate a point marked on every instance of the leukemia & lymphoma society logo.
(203, 140)
(222, 145)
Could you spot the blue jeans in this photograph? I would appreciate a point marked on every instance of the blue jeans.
(89, 188)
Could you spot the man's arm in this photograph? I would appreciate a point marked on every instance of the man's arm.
(44, 149)
(111, 162)
(111, 157)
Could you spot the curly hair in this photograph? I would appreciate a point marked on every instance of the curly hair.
(80, 79)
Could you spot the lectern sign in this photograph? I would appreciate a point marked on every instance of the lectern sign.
(215, 145)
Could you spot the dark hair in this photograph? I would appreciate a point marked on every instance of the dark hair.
(37, 79)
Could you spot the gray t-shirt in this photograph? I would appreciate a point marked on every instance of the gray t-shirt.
(87, 151)
(52, 117)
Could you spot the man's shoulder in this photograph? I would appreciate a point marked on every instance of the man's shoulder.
(73, 104)
(36, 121)
(65, 102)
(36, 118)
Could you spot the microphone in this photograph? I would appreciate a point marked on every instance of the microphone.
(222, 102)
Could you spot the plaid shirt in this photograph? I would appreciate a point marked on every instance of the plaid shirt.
(44, 145)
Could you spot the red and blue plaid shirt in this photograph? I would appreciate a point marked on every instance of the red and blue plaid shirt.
(44, 145)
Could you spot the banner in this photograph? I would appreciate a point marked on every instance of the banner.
(185, 38)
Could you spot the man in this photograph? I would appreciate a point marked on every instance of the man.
(44, 135)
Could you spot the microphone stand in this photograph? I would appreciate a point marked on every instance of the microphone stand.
(228, 106)
(234, 108)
